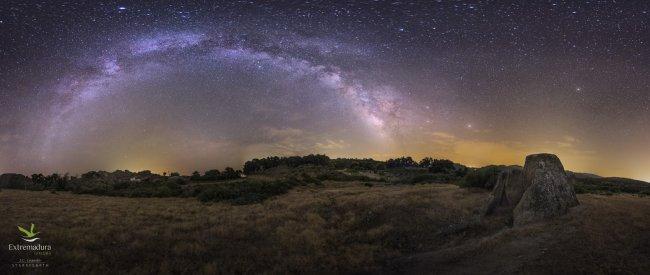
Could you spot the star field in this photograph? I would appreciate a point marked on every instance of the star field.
(194, 85)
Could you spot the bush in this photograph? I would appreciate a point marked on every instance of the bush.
(580, 189)
(340, 176)
(401, 162)
(95, 187)
(258, 165)
(14, 181)
(158, 188)
(484, 177)
(245, 192)
(358, 164)
(609, 185)
(306, 178)
(425, 178)
(212, 175)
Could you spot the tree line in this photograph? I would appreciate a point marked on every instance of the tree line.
(434, 165)
(57, 181)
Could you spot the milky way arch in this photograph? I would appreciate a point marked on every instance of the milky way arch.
(99, 93)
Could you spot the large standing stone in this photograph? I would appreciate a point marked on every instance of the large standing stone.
(508, 190)
(548, 193)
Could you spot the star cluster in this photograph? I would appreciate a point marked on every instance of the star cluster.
(196, 85)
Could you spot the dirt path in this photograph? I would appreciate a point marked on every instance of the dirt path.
(606, 234)
(505, 252)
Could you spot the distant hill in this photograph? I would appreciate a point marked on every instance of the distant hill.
(582, 175)
(486, 177)
(589, 183)
(309, 169)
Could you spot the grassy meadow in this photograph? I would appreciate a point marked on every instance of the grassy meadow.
(331, 229)
(338, 227)
(313, 214)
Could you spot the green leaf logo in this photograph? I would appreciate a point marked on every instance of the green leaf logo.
(28, 235)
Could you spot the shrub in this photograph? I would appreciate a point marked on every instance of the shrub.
(609, 185)
(167, 188)
(14, 181)
(257, 165)
(580, 189)
(95, 187)
(306, 178)
(245, 192)
(158, 188)
(195, 175)
(340, 176)
(358, 164)
(401, 162)
(211, 175)
(178, 180)
(425, 178)
(484, 177)
(437, 165)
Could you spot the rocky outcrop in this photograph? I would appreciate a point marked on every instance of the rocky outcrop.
(548, 194)
(508, 190)
(538, 191)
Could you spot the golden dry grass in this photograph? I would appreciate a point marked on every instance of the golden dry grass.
(338, 228)
(326, 229)
(604, 235)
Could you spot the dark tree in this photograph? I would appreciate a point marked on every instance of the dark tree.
(426, 162)
(213, 174)
(258, 165)
(195, 175)
(230, 173)
(402, 162)
(441, 166)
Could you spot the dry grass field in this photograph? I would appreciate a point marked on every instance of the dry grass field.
(342, 228)
(604, 235)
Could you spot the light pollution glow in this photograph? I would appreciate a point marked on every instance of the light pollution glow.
(216, 94)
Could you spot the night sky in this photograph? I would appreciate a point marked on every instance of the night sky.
(197, 85)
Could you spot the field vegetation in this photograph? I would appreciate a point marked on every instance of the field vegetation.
(264, 178)
(309, 229)
(260, 179)
(333, 228)
(314, 214)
